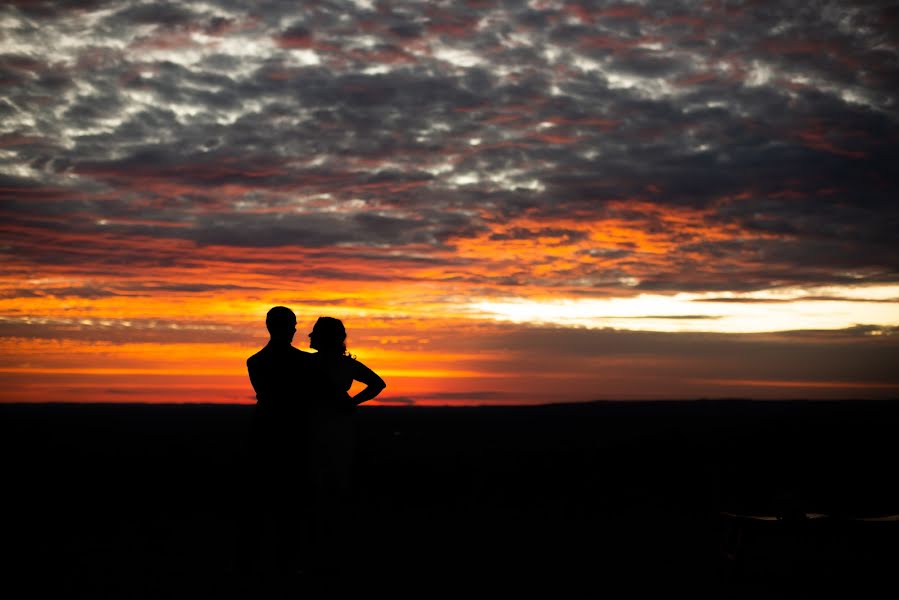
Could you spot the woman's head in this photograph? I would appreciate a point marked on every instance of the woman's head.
(328, 335)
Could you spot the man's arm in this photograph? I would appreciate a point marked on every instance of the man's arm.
(255, 377)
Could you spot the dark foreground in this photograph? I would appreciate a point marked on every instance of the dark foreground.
(561, 501)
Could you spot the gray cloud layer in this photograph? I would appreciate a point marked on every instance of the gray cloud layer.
(396, 125)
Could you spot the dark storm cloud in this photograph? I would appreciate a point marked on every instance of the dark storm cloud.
(59, 292)
(408, 400)
(189, 288)
(93, 291)
(168, 15)
(118, 331)
(219, 126)
(758, 280)
(649, 64)
(473, 395)
(19, 190)
(520, 233)
(863, 353)
(800, 298)
(323, 230)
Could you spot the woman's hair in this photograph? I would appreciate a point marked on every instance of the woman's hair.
(329, 335)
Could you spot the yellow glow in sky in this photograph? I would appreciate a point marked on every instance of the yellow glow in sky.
(831, 307)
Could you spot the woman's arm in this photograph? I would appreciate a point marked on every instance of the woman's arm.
(374, 385)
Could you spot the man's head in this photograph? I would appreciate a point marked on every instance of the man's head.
(281, 324)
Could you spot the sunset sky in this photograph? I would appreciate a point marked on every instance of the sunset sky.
(505, 202)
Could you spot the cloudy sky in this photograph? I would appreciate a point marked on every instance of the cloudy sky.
(504, 201)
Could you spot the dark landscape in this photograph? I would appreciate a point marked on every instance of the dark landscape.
(144, 501)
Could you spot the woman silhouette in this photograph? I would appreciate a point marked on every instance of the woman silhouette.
(328, 337)
(331, 439)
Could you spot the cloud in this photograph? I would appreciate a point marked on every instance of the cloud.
(436, 156)
(862, 353)
(59, 292)
(119, 331)
(475, 396)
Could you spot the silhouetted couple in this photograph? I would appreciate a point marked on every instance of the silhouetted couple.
(302, 442)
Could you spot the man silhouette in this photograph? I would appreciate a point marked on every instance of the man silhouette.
(287, 387)
(277, 371)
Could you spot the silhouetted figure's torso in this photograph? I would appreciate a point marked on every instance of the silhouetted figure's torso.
(287, 390)
(331, 445)
(302, 443)
(279, 373)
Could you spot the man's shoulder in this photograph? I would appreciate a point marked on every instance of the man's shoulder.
(267, 353)
(299, 356)
(255, 358)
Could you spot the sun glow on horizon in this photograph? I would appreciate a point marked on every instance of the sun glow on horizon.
(518, 203)
(821, 308)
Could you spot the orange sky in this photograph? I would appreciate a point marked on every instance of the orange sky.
(505, 203)
(442, 326)
(427, 343)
